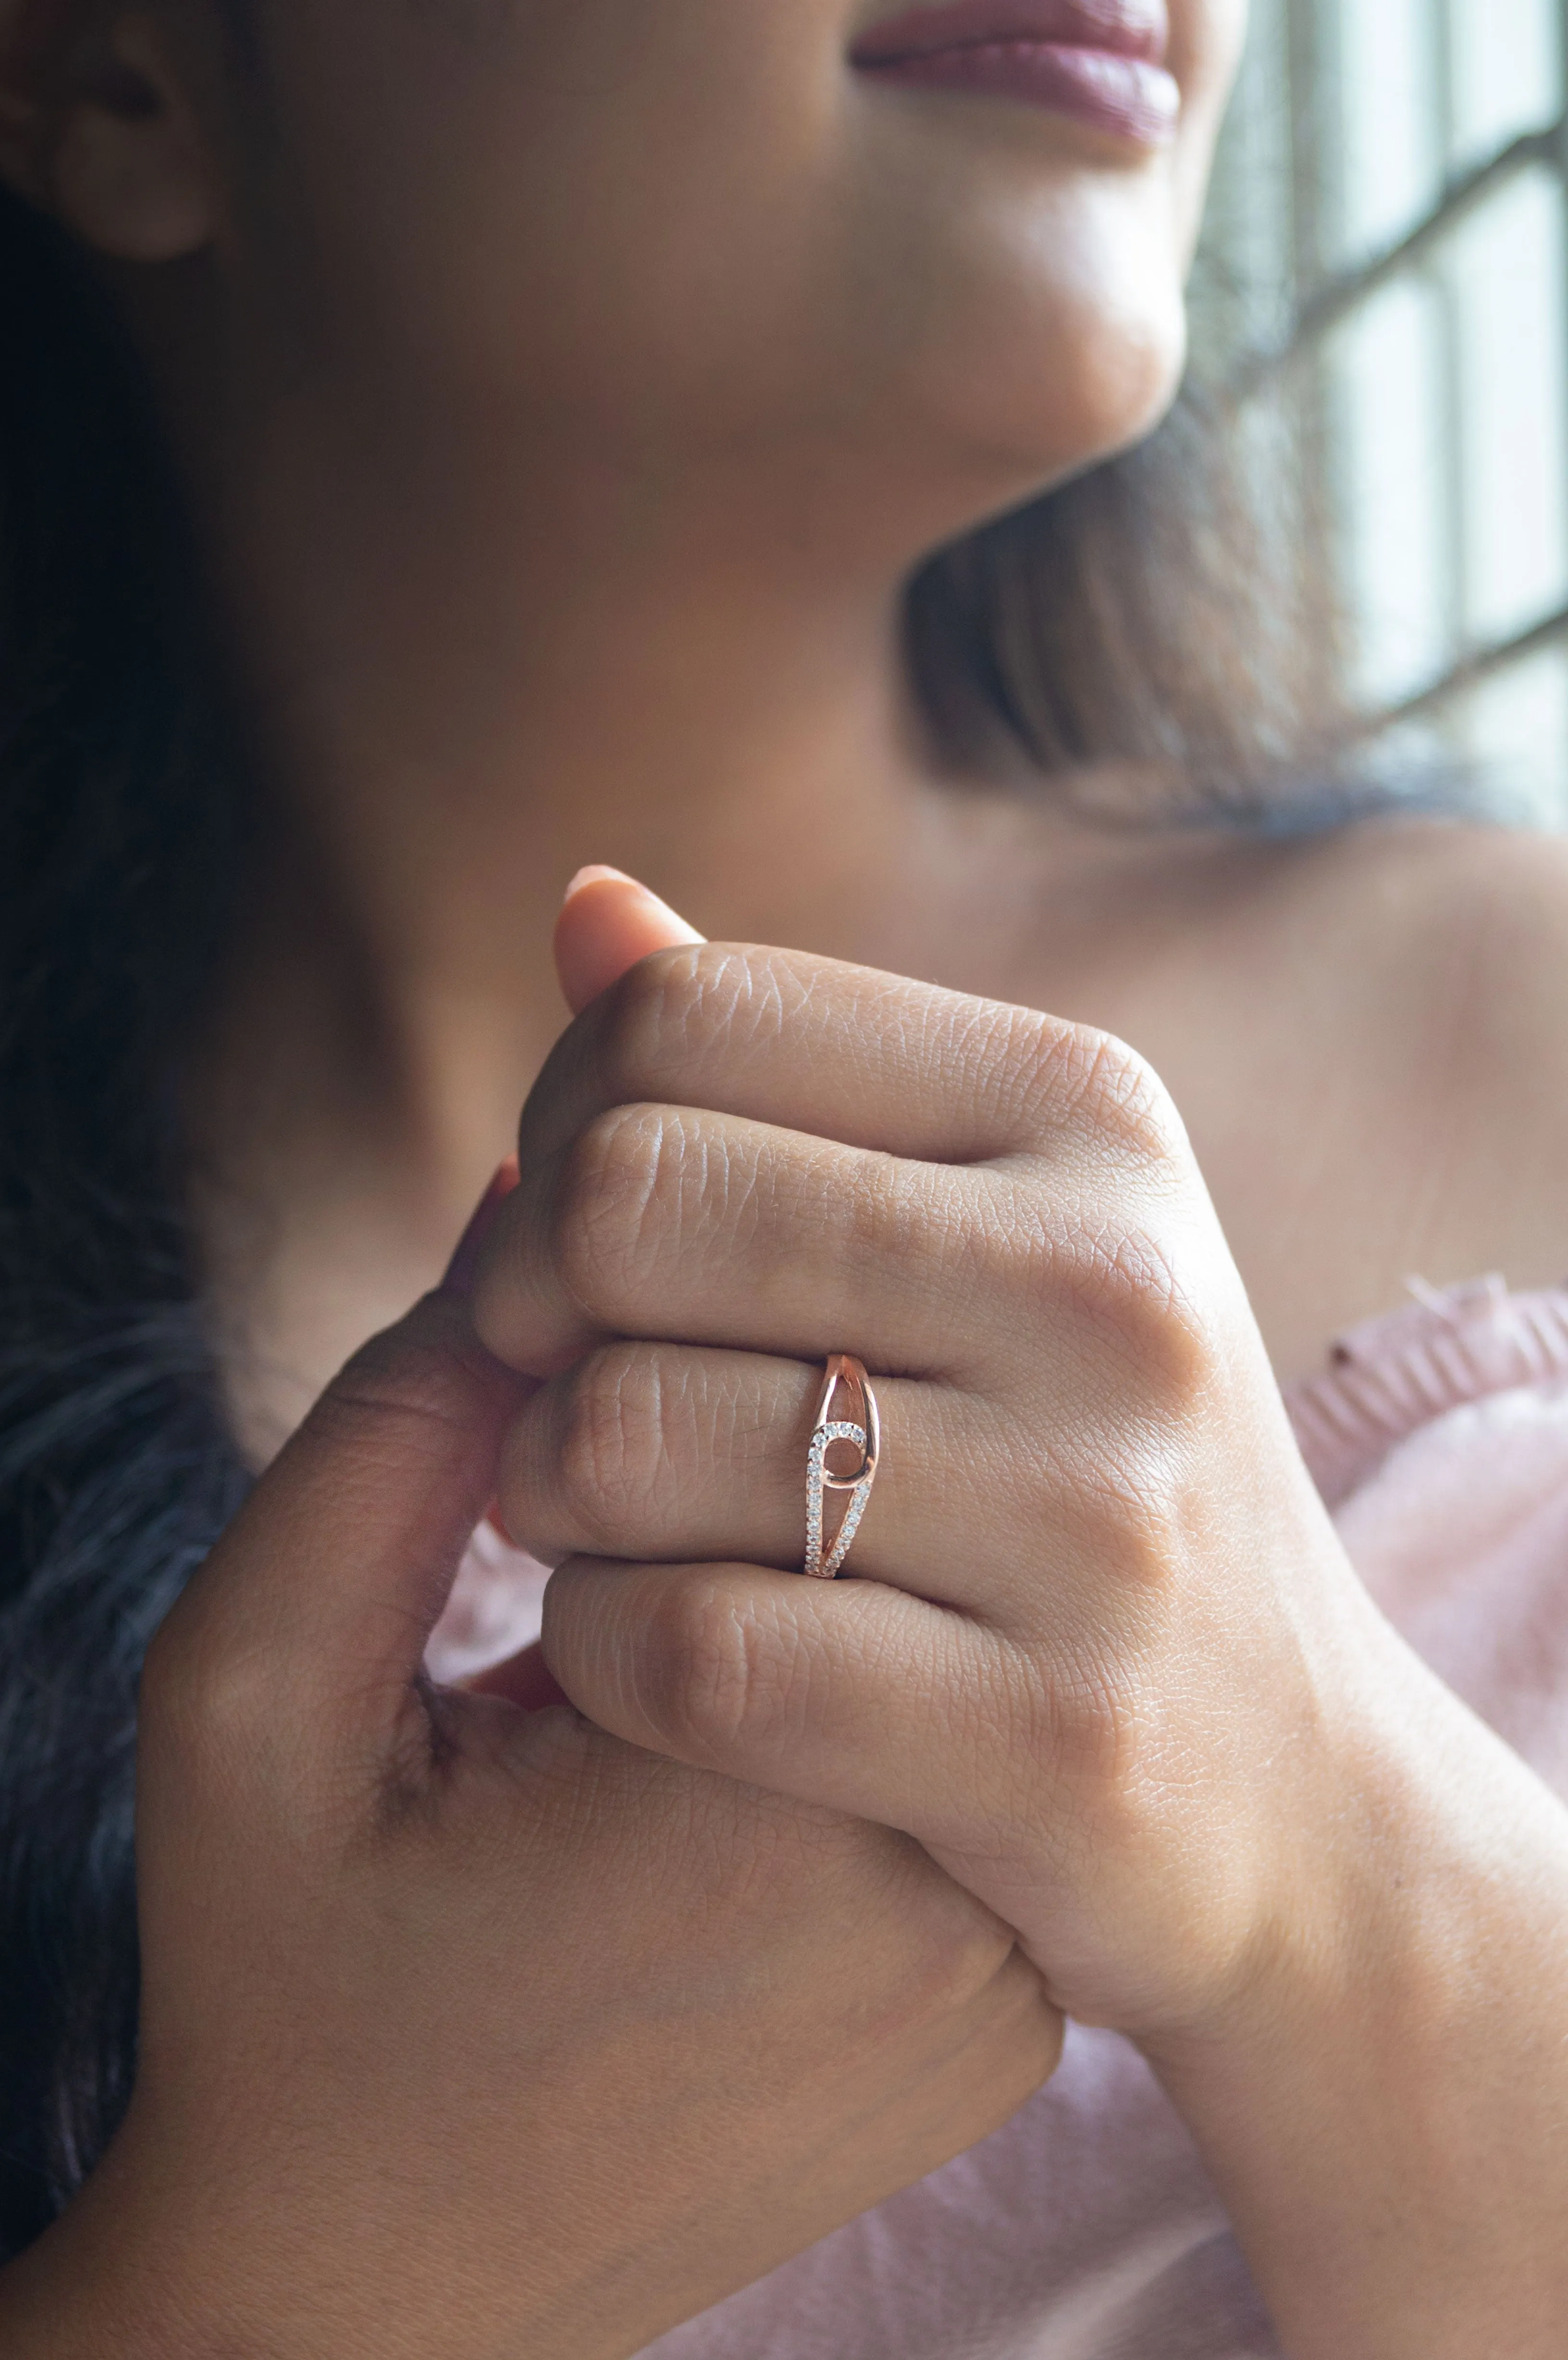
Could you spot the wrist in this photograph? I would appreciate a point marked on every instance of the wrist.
(143, 2265)
(1382, 2094)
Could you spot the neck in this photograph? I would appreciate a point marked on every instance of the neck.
(473, 687)
(484, 675)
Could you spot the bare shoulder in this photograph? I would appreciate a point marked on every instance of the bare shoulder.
(1441, 869)
(1389, 1095)
(1451, 945)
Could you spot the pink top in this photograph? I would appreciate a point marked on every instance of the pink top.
(1087, 2230)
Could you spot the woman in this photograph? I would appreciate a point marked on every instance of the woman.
(564, 399)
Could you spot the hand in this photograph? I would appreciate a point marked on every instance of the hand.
(473, 2031)
(1091, 1509)
(1102, 1653)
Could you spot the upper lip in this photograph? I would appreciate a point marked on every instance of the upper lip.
(1131, 28)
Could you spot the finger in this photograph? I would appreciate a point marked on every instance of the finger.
(844, 1695)
(843, 1052)
(652, 1451)
(678, 1223)
(313, 1612)
(609, 921)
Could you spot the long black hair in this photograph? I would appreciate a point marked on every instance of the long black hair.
(1110, 620)
(122, 809)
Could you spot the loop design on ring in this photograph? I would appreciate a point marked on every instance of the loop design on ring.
(863, 1427)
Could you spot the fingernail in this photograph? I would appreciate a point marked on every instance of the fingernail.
(598, 873)
(464, 1264)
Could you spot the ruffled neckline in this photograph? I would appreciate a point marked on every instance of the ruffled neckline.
(1392, 1375)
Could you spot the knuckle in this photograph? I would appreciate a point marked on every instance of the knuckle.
(1158, 1326)
(951, 1952)
(712, 1686)
(1008, 2037)
(1106, 1090)
(602, 1220)
(649, 1018)
(1126, 1288)
(1133, 1513)
(677, 1005)
(933, 1958)
(1086, 1724)
(607, 1452)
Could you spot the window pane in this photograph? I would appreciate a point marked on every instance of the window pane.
(1516, 731)
(1390, 167)
(1437, 413)
(1385, 373)
(1509, 274)
(1243, 286)
(1506, 75)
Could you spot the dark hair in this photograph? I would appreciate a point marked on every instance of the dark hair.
(1106, 622)
(120, 811)
(1146, 636)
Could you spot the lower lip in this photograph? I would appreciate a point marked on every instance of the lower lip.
(1127, 97)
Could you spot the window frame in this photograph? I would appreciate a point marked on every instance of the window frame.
(1291, 365)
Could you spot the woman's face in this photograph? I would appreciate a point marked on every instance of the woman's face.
(742, 227)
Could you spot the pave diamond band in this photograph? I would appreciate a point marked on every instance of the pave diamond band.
(861, 1428)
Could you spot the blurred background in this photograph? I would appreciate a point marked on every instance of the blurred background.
(1386, 270)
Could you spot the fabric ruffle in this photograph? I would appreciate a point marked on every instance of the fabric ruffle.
(1393, 1375)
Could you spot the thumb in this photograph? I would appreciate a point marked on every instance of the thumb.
(310, 1617)
(607, 923)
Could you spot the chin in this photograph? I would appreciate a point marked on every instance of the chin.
(1028, 327)
(1052, 399)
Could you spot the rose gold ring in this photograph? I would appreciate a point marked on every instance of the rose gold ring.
(861, 1429)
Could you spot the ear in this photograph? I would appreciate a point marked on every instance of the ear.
(96, 127)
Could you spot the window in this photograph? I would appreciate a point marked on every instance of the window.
(1387, 251)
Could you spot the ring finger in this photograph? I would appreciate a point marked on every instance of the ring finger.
(652, 1452)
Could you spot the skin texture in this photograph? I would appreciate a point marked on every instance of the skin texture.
(562, 513)
(736, 1156)
(472, 2030)
(547, 540)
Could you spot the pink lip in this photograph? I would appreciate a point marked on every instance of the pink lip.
(1101, 61)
